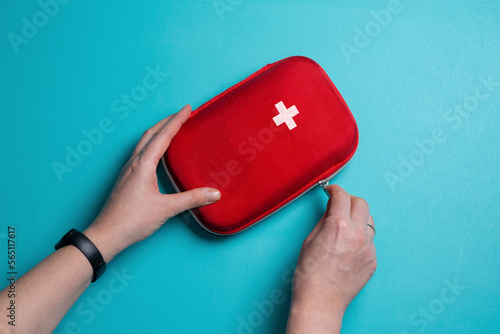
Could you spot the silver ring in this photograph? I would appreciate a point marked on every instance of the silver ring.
(373, 228)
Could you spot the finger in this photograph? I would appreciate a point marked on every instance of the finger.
(359, 211)
(148, 134)
(370, 231)
(177, 203)
(340, 203)
(159, 143)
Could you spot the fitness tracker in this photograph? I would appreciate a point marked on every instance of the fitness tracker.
(80, 241)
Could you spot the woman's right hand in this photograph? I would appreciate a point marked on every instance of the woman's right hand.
(336, 261)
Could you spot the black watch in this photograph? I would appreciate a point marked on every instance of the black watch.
(80, 241)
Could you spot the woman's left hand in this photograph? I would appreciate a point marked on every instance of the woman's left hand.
(135, 208)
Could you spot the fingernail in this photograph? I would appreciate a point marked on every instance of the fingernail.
(213, 195)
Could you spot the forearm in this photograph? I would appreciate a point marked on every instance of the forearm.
(46, 292)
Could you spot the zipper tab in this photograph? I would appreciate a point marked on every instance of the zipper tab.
(323, 184)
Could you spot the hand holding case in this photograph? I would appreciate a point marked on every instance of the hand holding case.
(262, 143)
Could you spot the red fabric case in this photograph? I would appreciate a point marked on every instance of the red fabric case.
(233, 143)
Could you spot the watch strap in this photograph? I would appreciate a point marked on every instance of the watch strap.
(80, 241)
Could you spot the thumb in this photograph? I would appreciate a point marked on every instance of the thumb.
(190, 199)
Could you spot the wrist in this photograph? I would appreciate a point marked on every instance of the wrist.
(314, 317)
(105, 241)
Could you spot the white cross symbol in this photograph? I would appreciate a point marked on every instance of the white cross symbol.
(285, 115)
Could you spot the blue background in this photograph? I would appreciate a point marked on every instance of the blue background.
(436, 208)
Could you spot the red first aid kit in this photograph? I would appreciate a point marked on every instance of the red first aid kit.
(263, 143)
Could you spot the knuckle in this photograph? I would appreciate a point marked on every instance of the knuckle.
(338, 226)
(362, 202)
(358, 238)
(343, 222)
(307, 240)
(148, 133)
(144, 160)
(135, 164)
(196, 199)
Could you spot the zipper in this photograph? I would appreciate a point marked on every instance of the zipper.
(323, 183)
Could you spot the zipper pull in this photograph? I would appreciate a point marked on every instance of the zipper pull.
(323, 184)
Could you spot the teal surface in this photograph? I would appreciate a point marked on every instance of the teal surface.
(423, 84)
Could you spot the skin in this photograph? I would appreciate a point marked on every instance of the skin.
(336, 261)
